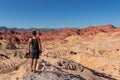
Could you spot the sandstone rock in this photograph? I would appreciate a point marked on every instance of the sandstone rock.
(49, 72)
(2, 56)
(61, 34)
(18, 55)
(99, 54)
(7, 44)
(53, 73)
(10, 64)
(77, 69)
(10, 45)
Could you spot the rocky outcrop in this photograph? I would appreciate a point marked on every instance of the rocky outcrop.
(9, 64)
(11, 60)
(7, 44)
(47, 71)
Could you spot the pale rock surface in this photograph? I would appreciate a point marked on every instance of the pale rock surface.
(101, 54)
(7, 44)
(48, 71)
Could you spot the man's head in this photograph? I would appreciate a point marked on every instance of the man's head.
(34, 33)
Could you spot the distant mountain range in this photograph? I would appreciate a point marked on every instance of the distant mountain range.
(55, 34)
(4, 28)
(108, 27)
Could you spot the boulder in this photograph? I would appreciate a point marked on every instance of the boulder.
(4, 44)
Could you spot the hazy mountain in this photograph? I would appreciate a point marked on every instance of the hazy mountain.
(4, 28)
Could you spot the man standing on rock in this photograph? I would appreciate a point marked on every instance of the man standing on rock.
(36, 49)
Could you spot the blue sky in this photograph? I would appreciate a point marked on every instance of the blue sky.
(59, 13)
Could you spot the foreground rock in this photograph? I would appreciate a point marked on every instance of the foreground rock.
(47, 71)
(11, 60)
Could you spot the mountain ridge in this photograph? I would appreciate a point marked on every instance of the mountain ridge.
(22, 35)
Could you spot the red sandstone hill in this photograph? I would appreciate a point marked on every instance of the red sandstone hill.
(23, 37)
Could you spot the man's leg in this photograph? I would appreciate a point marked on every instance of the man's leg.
(35, 64)
(31, 65)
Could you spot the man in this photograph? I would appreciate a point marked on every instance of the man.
(36, 49)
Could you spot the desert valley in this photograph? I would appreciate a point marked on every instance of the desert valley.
(91, 53)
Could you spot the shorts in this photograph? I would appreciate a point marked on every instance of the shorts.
(35, 54)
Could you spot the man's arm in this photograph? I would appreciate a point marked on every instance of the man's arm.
(29, 42)
(40, 46)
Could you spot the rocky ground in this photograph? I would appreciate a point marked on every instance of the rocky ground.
(93, 56)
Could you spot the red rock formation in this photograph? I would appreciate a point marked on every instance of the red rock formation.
(92, 30)
(61, 34)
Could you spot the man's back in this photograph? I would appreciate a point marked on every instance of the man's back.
(35, 44)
